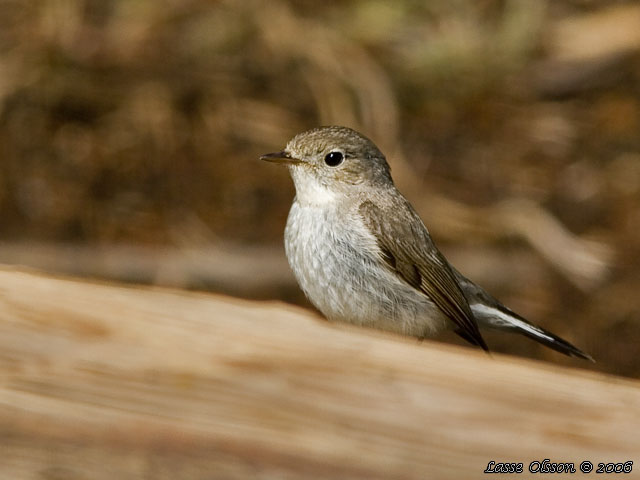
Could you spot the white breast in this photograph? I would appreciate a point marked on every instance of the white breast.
(337, 263)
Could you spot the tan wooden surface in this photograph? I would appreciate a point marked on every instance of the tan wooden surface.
(113, 382)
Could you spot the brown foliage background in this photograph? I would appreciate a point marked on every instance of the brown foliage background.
(513, 127)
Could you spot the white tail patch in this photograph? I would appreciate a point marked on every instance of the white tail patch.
(492, 317)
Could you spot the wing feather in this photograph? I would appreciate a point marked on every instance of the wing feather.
(409, 251)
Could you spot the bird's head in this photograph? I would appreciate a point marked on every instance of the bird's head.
(328, 161)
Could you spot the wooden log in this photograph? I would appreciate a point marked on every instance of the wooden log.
(104, 381)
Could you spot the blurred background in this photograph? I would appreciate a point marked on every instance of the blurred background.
(130, 133)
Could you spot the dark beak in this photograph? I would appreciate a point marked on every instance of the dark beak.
(280, 157)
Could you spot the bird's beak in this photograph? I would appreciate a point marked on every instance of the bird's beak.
(280, 157)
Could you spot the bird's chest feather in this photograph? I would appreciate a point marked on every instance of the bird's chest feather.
(322, 248)
(337, 263)
(330, 253)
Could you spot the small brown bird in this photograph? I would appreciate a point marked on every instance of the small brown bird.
(362, 255)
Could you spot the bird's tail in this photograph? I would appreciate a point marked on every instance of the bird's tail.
(490, 313)
(500, 317)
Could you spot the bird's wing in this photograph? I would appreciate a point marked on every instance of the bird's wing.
(408, 250)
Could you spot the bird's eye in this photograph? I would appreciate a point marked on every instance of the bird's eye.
(333, 159)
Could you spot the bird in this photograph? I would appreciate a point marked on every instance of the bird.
(362, 255)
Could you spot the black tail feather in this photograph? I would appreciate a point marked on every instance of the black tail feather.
(553, 341)
(518, 324)
(490, 313)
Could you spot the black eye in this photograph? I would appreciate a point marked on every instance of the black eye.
(333, 159)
